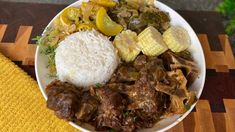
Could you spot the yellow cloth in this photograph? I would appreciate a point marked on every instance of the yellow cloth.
(22, 107)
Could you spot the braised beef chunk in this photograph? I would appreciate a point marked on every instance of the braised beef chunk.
(88, 107)
(142, 97)
(120, 87)
(129, 124)
(140, 62)
(142, 94)
(111, 109)
(125, 74)
(147, 104)
(63, 98)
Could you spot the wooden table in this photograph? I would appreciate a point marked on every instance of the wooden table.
(20, 22)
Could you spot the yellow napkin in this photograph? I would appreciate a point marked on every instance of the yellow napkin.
(22, 107)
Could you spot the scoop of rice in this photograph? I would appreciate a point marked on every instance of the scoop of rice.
(85, 58)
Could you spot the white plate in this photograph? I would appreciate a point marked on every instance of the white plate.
(165, 124)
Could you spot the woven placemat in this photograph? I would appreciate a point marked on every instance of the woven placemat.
(22, 106)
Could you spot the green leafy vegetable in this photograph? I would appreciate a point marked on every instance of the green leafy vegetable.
(126, 114)
(137, 19)
(37, 39)
(227, 8)
(48, 43)
(187, 107)
(98, 85)
(230, 28)
(111, 130)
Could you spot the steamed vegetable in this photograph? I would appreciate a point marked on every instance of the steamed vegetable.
(105, 24)
(86, 26)
(177, 39)
(89, 10)
(126, 43)
(151, 43)
(139, 3)
(70, 15)
(48, 44)
(105, 3)
(137, 19)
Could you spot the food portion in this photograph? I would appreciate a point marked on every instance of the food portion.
(105, 3)
(151, 43)
(176, 38)
(119, 66)
(137, 95)
(83, 57)
(63, 98)
(139, 3)
(182, 60)
(126, 43)
(137, 15)
(105, 24)
(70, 15)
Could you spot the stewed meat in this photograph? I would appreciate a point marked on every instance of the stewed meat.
(181, 61)
(125, 74)
(63, 98)
(177, 90)
(140, 61)
(88, 107)
(135, 97)
(142, 97)
(111, 109)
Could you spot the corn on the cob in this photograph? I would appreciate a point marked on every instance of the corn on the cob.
(176, 38)
(126, 44)
(151, 43)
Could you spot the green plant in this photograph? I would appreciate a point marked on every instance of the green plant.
(227, 8)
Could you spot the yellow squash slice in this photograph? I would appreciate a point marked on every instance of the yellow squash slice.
(69, 16)
(105, 3)
(106, 25)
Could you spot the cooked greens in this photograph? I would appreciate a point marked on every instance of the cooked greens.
(137, 19)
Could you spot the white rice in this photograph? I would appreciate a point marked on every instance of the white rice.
(86, 58)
